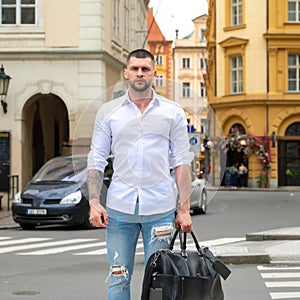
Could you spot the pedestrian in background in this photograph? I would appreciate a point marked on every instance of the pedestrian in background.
(243, 171)
(147, 136)
(233, 171)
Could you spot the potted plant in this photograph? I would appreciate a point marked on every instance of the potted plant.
(262, 180)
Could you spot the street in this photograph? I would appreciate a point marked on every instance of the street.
(64, 263)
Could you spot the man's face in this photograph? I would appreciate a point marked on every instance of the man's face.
(140, 73)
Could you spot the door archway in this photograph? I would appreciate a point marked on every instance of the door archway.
(234, 159)
(45, 130)
(234, 156)
(289, 156)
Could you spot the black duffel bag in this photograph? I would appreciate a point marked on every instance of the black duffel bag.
(185, 274)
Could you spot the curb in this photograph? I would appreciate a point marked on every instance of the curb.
(240, 259)
(9, 226)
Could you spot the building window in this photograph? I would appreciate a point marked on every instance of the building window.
(18, 12)
(294, 73)
(116, 16)
(159, 60)
(294, 11)
(202, 90)
(186, 90)
(236, 74)
(236, 12)
(159, 81)
(185, 63)
(203, 63)
(126, 9)
(202, 35)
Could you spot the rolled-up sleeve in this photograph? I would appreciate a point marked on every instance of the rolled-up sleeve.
(101, 141)
(179, 143)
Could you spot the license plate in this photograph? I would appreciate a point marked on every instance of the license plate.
(31, 211)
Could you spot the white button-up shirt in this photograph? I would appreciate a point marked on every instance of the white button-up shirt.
(145, 147)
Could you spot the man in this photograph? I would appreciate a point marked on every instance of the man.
(147, 135)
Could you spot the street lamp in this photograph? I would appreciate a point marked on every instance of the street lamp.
(4, 82)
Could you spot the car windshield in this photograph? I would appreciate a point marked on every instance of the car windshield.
(63, 169)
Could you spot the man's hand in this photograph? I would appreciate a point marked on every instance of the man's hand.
(98, 215)
(184, 220)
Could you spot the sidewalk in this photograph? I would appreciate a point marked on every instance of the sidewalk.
(6, 220)
(273, 246)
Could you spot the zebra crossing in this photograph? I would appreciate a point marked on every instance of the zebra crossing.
(75, 246)
(282, 281)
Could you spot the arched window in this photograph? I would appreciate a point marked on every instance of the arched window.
(293, 129)
(237, 127)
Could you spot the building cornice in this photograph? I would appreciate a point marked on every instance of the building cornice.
(282, 36)
(60, 55)
(251, 102)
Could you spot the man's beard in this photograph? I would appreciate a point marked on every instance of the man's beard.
(140, 88)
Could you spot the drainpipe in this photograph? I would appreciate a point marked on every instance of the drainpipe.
(267, 68)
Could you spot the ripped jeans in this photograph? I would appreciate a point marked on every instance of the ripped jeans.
(121, 240)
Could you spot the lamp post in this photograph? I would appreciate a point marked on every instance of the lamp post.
(4, 82)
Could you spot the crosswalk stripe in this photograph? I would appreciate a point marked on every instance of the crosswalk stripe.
(95, 252)
(216, 242)
(281, 275)
(45, 244)
(63, 249)
(23, 241)
(4, 238)
(287, 295)
(275, 268)
(276, 284)
(103, 251)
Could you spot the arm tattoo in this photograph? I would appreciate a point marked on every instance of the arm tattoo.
(94, 183)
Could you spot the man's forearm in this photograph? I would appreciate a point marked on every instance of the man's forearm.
(94, 183)
(183, 182)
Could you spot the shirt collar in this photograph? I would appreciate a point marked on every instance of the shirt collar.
(155, 98)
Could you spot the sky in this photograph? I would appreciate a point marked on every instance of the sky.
(177, 14)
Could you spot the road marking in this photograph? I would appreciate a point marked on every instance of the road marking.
(104, 251)
(4, 238)
(52, 247)
(63, 249)
(271, 268)
(276, 284)
(281, 275)
(41, 245)
(287, 295)
(23, 241)
(278, 274)
(96, 252)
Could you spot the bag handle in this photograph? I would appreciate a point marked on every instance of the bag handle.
(217, 264)
(183, 242)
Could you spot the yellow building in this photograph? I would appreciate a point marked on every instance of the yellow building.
(253, 81)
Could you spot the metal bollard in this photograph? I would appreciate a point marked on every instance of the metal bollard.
(1, 196)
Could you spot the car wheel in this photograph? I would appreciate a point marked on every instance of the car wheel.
(202, 205)
(28, 226)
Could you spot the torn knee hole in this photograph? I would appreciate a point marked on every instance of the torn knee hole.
(119, 270)
(164, 231)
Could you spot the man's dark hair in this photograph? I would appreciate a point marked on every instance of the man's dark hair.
(140, 53)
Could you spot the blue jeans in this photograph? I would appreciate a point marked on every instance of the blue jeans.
(121, 240)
